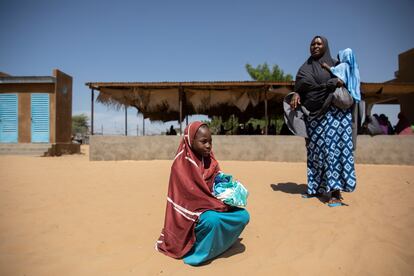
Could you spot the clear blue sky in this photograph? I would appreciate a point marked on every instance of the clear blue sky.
(192, 40)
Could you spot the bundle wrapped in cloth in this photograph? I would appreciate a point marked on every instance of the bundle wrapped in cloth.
(230, 191)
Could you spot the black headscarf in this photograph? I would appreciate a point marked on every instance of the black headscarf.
(313, 83)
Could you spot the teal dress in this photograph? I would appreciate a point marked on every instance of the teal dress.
(215, 233)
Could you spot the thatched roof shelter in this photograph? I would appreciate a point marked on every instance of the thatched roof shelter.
(164, 100)
(167, 101)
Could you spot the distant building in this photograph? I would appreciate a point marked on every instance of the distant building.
(405, 71)
(37, 109)
(405, 74)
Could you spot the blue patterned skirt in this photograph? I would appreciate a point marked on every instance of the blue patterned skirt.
(329, 151)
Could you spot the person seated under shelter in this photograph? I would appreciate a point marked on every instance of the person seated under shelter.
(172, 131)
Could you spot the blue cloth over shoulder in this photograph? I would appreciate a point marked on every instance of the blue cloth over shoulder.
(348, 71)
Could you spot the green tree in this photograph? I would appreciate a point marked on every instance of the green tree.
(230, 125)
(263, 73)
(80, 124)
(214, 124)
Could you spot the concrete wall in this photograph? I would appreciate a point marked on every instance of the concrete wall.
(370, 150)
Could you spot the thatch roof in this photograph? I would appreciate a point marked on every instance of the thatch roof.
(164, 100)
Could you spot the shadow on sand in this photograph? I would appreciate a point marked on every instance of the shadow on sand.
(235, 249)
(290, 188)
(296, 189)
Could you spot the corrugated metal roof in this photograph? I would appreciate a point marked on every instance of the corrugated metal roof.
(27, 79)
(365, 86)
(98, 85)
(159, 100)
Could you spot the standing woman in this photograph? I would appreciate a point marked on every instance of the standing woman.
(330, 158)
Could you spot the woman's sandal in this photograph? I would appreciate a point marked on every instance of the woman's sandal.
(336, 200)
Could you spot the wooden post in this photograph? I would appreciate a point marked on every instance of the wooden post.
(180, 101)
(92, 111)
(266, 116)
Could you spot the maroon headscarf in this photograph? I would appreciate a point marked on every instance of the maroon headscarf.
(189, 195)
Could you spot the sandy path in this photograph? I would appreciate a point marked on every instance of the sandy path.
(69, 216)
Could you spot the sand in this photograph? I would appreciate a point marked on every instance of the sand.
(69, 216)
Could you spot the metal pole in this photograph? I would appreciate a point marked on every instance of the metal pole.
(266, 119)
(92, 100)
(232, 124)
(126, 121)
(143, 125)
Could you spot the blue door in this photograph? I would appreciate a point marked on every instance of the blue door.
(8, 118)
(40, 118)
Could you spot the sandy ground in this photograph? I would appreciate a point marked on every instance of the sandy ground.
(69, 216)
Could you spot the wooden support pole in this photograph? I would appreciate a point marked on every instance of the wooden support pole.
(180, 102)
(92, 111)
(266, 115)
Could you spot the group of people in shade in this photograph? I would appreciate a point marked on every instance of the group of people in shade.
(248, 129)
(380, 125)
(198, 226)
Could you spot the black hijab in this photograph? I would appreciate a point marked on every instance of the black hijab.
(312, 81)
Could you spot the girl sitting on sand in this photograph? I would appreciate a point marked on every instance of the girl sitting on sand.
(198, 226)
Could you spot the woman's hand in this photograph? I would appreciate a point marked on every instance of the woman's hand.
(295, 100)
(340, 83)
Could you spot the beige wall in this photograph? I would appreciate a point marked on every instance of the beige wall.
(382, 149)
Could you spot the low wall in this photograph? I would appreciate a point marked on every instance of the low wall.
(370, 150)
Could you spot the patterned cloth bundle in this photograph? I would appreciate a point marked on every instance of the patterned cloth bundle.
(230, 191)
